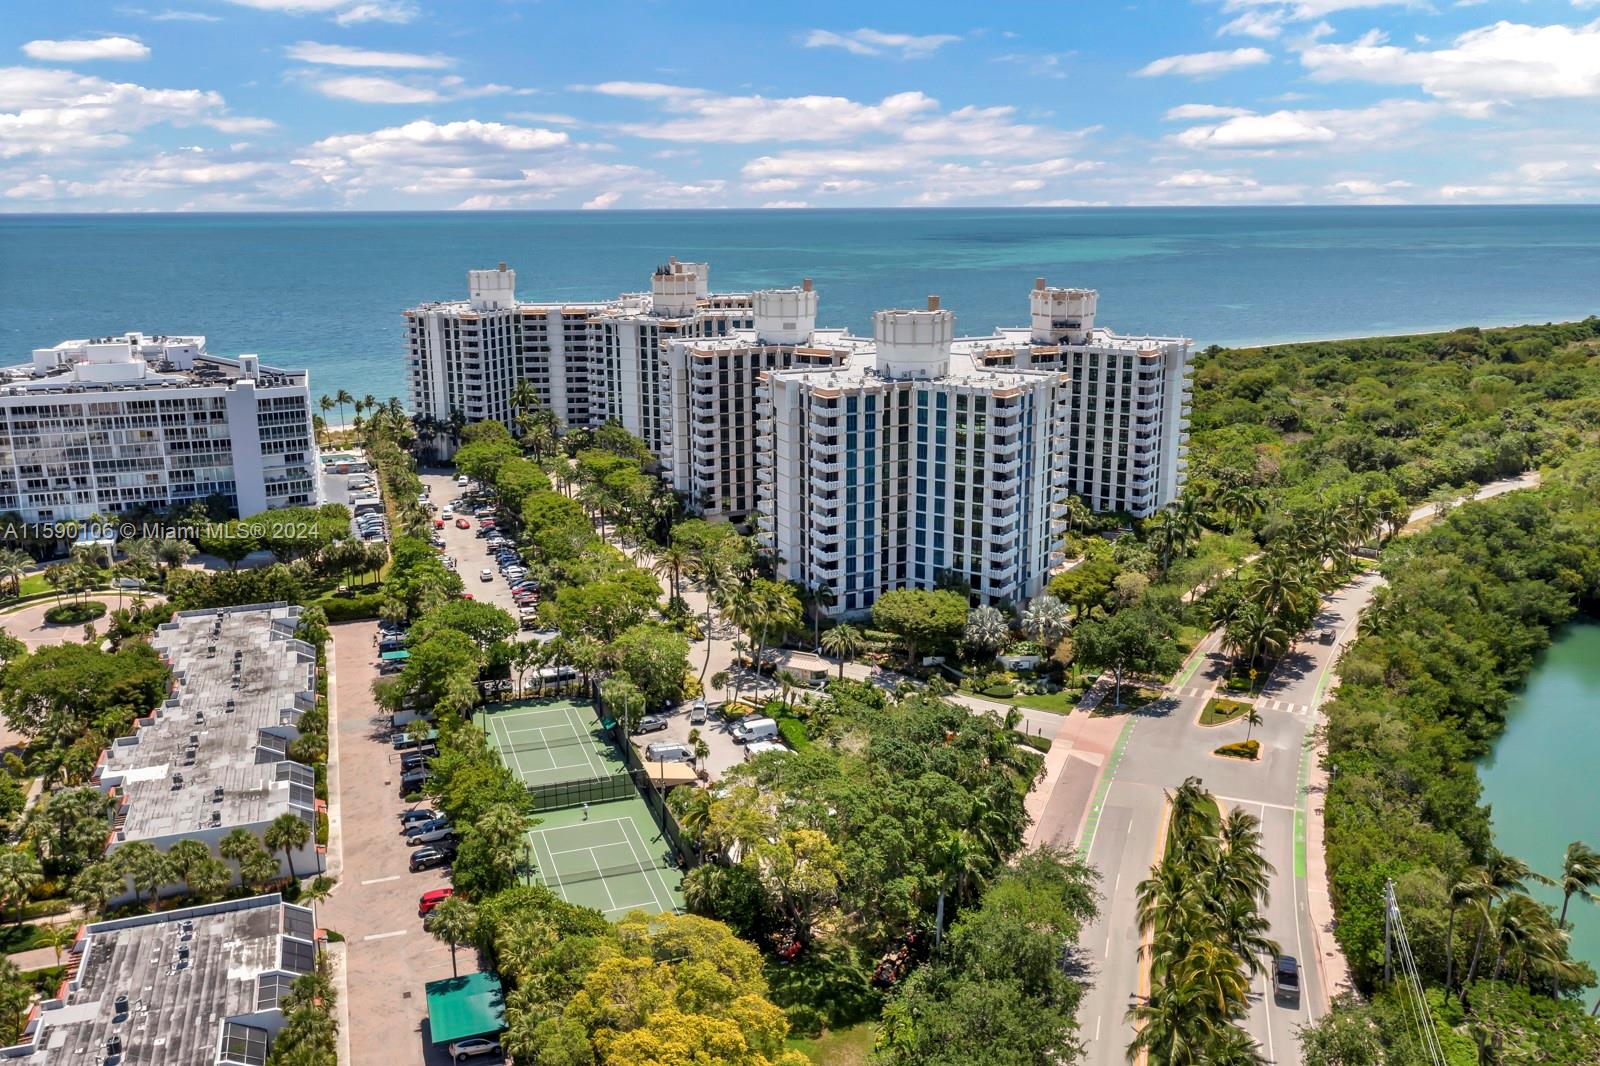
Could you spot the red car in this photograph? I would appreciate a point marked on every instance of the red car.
(432, 899)
(462, 523)
(438, 523)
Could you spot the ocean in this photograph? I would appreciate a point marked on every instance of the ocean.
(325, 291)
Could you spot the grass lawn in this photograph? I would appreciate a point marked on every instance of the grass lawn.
(839, 1047)
(34, 584)
(15, 938)
(1133, 698)
(1220, 711)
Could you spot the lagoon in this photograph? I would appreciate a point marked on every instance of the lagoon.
(1540, 780)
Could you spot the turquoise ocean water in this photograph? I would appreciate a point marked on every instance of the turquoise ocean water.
(325, 291)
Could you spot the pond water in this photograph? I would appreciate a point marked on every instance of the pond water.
(1542, 780)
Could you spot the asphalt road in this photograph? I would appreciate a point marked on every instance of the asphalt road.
(1160, 746)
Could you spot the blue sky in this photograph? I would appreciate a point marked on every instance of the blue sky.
(506, 104)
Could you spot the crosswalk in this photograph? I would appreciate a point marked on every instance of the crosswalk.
(1202, 691)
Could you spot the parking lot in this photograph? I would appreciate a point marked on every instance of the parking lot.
(389, 957)
(467, 548)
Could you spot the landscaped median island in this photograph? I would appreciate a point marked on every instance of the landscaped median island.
(1220, 711)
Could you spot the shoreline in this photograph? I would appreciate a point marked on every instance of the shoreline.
(1430, 331)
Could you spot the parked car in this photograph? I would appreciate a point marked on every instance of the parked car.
(486, 574)
(755, 729)
(697, 712)
(428, 832)
(1286, 979)
(432, 899)
(438, 523)
(462, 481)
(462, 523)
(413, 780)
(427, 859)
(416, 816)
(472, 1047)
(650, 723)
(447, 513)
(413, 760)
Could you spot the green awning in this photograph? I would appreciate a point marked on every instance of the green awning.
(398, 656)
(470, 1005)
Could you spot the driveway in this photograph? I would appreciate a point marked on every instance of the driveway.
(388, 956)
(468, 549)
(27, 623)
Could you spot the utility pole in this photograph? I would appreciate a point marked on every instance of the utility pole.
(1388, 932)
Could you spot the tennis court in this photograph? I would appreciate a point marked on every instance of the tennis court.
(609, 856)
(551, 742)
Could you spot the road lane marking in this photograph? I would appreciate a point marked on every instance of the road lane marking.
(386, 936)
(1106, 774)
(381, 880)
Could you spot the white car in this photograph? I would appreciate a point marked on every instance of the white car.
(447, 513)
(486, 574)
(472, 1047)
(462, 481)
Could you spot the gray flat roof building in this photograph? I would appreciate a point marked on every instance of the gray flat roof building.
(215, 755)
(193, 987)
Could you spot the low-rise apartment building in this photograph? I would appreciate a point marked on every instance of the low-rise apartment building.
(215, 756)
(201, 986)
(113, 424)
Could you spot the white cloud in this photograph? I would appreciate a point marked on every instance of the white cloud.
(710, 117)
(601, 201)
(55, 112)
(1204, 179)
(552, 118)
(785, 204)
(1306, 10)
(1203, 64)
(380, 89)
(1262, 25)
(1504, 61)
(339, 55)
(81, 51)
(1368, 191)
(869, 42)
(1044, 65)
(844, 186)
(481, 165)
(1384, 121)
(774, 185)
(183, 16)
(344, 12)
(1189, 112)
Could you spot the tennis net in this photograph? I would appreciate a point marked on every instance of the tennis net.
(533, 740)
(560, 794)
(596, 873)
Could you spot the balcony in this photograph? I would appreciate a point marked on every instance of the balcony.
(826, 534)
(1005, 468)
(822, 465)
(763, 425)
(764, 521)
(1002, 527)
(764, 475)
(763, 457)
(1003, 559)
(764, 409)
(827, 553)
(828, 445)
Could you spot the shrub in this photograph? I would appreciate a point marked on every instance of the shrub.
(1037, 743)
(1219, 711)
(351, 608)
(1000, 692)
(1243, 749)
(794, 733)
(75, 614)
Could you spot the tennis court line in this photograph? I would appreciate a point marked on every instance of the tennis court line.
(538, 841)
(651, 878)
(588, 752)
(579, 825)
(601, 871)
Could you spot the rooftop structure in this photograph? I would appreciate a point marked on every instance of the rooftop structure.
(193, 987)
(107, 424)
(215, 755)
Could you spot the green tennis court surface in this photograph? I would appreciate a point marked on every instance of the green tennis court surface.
(617, 861)
(551, 742)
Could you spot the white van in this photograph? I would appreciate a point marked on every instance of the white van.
(762, 747)
(668, 751)
(755, 729)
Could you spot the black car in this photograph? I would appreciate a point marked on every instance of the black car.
(416, 816)
(413, 760)
(650, 723)
(428, 858)
(1286, 979)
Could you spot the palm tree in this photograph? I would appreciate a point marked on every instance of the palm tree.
(819, 598)
(710, 569)
(671, 562)
(287, 833)
(19, 872)
(843, 642)
(1506, 875)
(171, 552)
(56, 937)
(1580, 875)
(341, 398)
(454, 921)
(14, 567)
(1473, 888)
(1252, 719)
(987, 629)
(1046, 619)
(238, 845)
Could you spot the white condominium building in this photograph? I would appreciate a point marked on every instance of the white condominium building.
(712, 394)
(912, 464)
(589, 361)
(113, 424)
(1128, 432)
